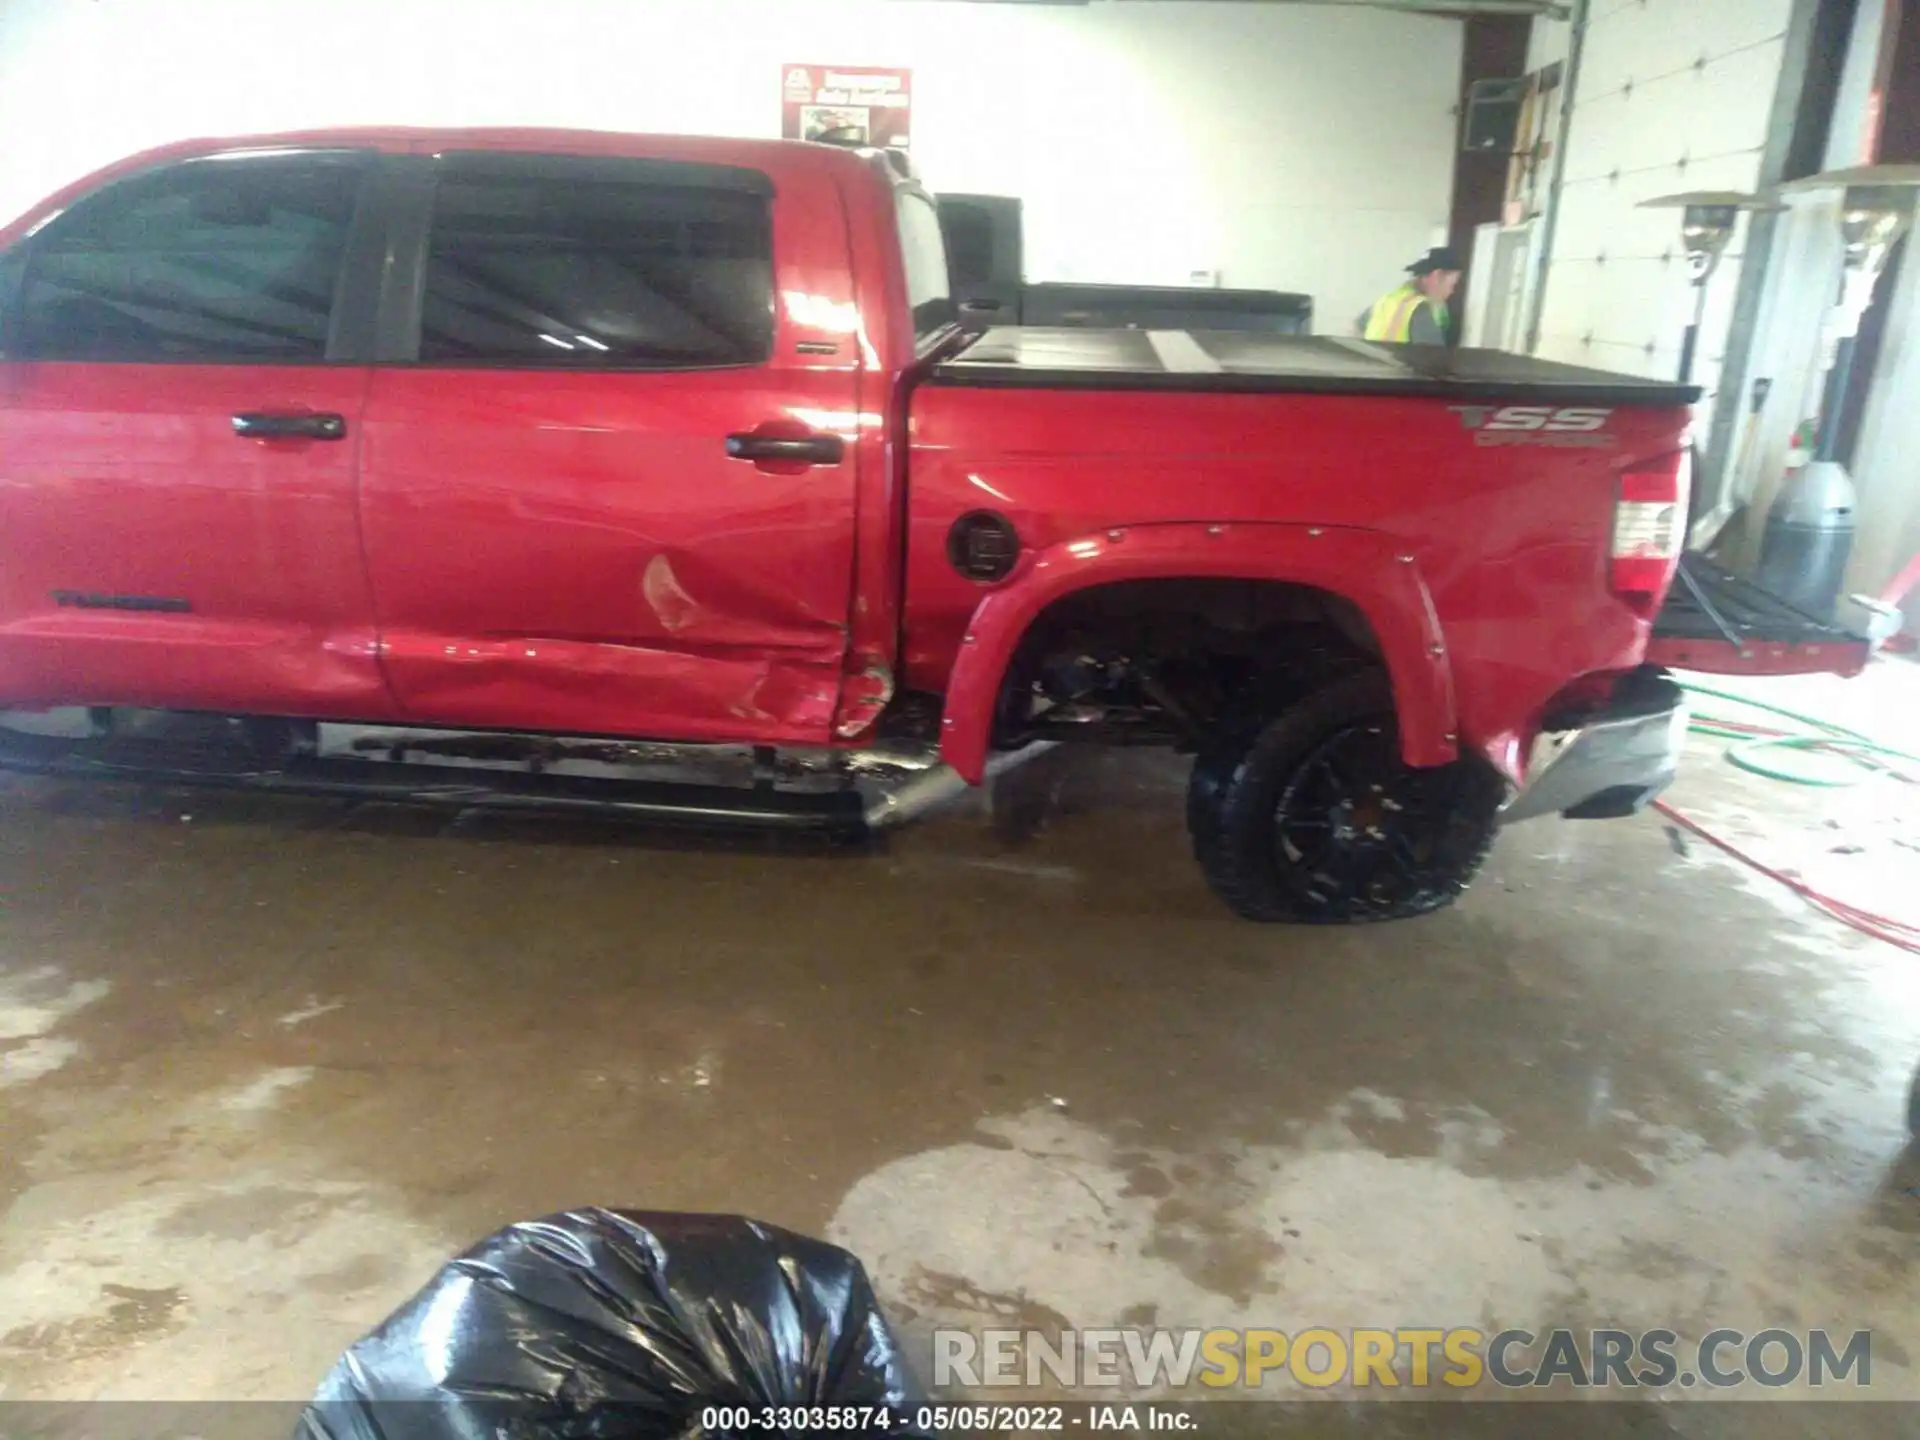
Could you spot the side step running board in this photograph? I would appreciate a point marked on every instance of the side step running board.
(831, 814)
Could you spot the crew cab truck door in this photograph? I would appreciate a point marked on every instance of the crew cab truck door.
(609, 476)
(179, 415)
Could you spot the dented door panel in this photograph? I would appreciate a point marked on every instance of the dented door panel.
(578, 552)
(588, 549)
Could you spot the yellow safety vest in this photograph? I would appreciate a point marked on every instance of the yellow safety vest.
(1391, 320)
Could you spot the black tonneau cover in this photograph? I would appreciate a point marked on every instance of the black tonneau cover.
(1228, 360)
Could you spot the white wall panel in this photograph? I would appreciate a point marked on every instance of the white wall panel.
(1650, 37)
(1284, 146)
(1885, 467)
(1802, 282)
(1803, 278)
(1546, 44)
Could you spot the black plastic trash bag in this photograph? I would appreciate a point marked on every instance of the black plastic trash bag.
(609, 1323)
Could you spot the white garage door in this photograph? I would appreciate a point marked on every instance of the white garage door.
(1673, 95)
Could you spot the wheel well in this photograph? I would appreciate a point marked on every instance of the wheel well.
(1181, 661)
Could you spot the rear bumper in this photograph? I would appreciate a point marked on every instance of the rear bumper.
(1612, 762)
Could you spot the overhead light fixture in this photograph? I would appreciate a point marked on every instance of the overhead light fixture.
(1898, 176)
(1876, 207)
(1544, 9)
(1707, 218)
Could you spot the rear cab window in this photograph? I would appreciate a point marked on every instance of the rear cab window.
(554, 262)
(968, 234)
(924, 252)
(231, 259)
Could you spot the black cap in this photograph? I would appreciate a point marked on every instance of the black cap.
(1443, 257)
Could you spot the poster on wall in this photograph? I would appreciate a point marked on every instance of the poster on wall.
(846, 104)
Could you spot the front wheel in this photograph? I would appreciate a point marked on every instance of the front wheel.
(1319, 820)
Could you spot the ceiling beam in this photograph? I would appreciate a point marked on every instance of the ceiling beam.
(1453, 9)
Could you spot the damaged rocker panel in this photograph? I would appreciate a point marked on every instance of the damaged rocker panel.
(832, 794)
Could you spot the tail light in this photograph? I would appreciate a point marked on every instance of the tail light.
(1650, 530)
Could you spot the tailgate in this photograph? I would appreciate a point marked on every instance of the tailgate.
(1716, 622)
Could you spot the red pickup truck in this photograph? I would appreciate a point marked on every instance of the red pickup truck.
(508, 467)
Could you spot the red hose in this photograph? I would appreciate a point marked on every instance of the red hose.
(1898, 587)
(1880, 927)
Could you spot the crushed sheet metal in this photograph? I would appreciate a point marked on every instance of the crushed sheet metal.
(941, 785)
(672, 606)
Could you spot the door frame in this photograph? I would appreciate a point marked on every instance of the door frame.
(344, 356)
(834, 337)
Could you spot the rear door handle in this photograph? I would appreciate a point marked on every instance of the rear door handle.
(810, 450)
(269, 425)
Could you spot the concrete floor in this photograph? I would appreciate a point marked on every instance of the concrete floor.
(263, 1066)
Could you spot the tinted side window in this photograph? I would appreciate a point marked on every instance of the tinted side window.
(596, 271)
(928, 290)
(230, 259)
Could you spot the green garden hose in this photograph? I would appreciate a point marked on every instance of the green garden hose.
(1829, 739)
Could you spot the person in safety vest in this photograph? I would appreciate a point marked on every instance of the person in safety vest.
(1416, 312)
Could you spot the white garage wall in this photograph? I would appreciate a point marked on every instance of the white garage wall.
(1673, 95)
(1287, 147)
(1802, 282)
(1884, 467)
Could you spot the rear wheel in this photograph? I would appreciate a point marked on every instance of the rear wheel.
(1206, 786)
(1319, 820)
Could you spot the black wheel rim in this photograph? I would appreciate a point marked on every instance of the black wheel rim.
(1362, 830)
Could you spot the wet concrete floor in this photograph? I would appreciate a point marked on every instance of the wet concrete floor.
(264, 1065)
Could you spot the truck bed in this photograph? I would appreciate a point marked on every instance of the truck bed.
(1713, 621)
(1242, 361)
